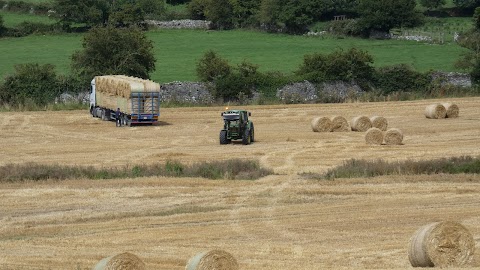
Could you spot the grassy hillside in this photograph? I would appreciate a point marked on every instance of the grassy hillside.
(12, 19)
(177, 51)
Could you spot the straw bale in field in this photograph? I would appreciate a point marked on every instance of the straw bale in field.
(452, 110)
(361, 123)
(212, 260)
(322, 124)
(393, 136)
(435, 111)
(379, 122)
(122, 261)
(339, 124)
(374, 136)
(441, 244)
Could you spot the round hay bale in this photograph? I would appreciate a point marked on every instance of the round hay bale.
(339, 124)
(212, 260)
(322, 124)
(379, 122)
(393, 136)
(122, 261)
(435, 111)
(361, 123)
(374, 136)
(452, 110)
(441, 244)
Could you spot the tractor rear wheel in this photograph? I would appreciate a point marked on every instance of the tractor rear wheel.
(252, 133)
(223, 137)
(246, 137)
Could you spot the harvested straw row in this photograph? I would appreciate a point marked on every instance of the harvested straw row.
(212, 260)
(435, 111)
(452, 110)
(379, 122)
(122, 261)
(441, 244)
(361, 123)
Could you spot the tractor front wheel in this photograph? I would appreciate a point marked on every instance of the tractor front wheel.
(223, 137)
(246, 137)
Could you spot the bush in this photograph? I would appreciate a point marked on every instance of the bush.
(30, 84)
(365, 168)
(19, 6)
(28, 28)
(352, 65)
(348, 27)
(196, 9)
(211, 67)
(400, 78)
(228, 169)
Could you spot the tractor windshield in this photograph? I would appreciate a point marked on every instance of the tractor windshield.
(231, 116)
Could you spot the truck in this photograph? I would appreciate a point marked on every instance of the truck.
(138, 100)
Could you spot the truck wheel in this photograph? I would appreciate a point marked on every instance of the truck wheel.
(246, 137)
(223, 137)
(252, 133)
(104, 118)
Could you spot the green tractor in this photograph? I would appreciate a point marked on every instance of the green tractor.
(237, 126)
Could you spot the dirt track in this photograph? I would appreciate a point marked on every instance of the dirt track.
(282, 221)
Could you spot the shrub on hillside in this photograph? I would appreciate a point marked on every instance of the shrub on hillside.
(350, 66)
(31, 83)
(400, 78)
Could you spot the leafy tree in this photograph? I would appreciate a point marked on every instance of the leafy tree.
(220, 12)
(352, 65)
(471, 40)
(89, 12)
(476, 18)
(151, 7)
(114, 51)
(2, 28)
(467, 3)
(126, 13)
(237, 84)
(293, 16)
(245, 12)
(387, 14)
(31, 83)
(433, 4)
(211, 67)
(196, 9)
(177, 2)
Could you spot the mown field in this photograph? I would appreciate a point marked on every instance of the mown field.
(282, 221)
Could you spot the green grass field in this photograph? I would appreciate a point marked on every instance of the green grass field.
(12, 19)
(177, 51)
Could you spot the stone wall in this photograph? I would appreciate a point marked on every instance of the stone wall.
(180, 24)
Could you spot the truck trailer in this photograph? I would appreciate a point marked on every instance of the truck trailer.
(138, 100)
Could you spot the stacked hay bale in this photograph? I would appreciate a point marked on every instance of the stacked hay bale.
(322, 124)
(441, 244)
(379, 122)
(452, 110)
(110, 87)
(361, 123)
(435, 111)
(374, 136)
(212, 260)
(330, 124)
(392, 136)
(122, 261)
(339, 124)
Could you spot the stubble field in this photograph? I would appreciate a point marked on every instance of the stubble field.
(283, 221)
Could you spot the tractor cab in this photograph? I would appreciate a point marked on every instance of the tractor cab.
(236, 125)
